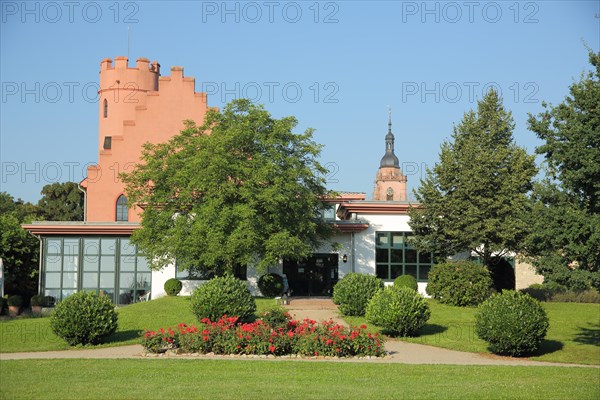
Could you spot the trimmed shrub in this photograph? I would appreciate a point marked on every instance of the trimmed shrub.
(353, 292)
(399, 310)
(587, 296)
(173, 287)
(223, 295)
(544, 291)
(459, 283)
(408, 281)
(84, 318)
(38, 301)
(512, 323)
(276, 317)
(271, 285)
(15, 301)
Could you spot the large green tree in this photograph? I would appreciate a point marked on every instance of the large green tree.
(474, 196)
(18, 249)
(566, 207)
(240, 189)
(61, 202)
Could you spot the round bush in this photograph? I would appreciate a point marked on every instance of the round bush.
(399, 310)
(512, 323)
(459, 283)
(353, 292)
(15, 300)
(173, 287)
(38, 300)
(408, 281)
(84, 318)
(271, 285)
(224, 295)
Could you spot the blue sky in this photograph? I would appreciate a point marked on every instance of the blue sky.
(335, 65)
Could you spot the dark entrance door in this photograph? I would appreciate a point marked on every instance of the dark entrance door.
(314, 276)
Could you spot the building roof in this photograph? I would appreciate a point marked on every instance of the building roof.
(346, 209)
(80, 228)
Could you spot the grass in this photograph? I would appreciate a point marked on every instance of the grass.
(237, 379)
(35, 334)
(573, 336)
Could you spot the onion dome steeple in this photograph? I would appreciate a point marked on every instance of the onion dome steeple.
(389, 159)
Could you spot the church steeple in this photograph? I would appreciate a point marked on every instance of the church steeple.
(389, 159)
(390, 182)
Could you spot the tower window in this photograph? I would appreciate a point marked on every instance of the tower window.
(105, 108)
(122, 209)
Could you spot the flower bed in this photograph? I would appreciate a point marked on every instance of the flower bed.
(228, 336)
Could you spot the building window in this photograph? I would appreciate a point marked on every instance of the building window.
(328, 212)
(105, 108)
(122, 209)
(111, 266)
(394, 256)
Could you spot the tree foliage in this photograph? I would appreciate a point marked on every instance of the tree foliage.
(61, 202)
(239, 189)
(18, 249)
(566, 210)
(474, 197)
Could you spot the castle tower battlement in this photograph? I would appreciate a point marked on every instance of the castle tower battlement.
(136, 105)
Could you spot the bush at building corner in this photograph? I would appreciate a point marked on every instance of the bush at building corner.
(224, 295)
(408, 281)
(84, 318)
(271, 285)
(459, 283)
(173, 287)
(400, 311)
(353, 292)
(512, 323)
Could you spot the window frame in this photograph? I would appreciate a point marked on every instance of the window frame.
(391, 248)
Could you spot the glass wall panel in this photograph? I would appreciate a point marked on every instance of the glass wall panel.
(54, 246)
(395, 256)
(396, 271)
(107, 280)
(95, 264)
(90, 280)
(410, 256)
(107, 263)
(411, 270)
(108, 246)
(381, 270)
(53, 262)
(53, 280)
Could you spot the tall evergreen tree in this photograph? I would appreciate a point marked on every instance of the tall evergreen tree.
(61, 202)
(473, 199)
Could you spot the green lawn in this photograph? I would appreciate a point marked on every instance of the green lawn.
(244, 379)
(573, 336)
(34, 334)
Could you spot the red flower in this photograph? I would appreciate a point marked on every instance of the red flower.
(272, 349)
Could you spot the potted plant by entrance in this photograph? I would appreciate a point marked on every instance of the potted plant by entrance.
(14, 305)
(37, 302)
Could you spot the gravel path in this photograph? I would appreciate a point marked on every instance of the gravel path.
(319, 310)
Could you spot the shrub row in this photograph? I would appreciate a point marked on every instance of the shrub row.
(553, 291)
(228, 336)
